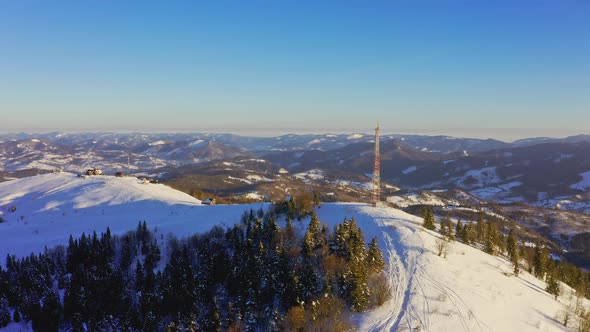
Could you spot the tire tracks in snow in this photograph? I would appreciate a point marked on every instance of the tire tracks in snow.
(455, 299)
(402, 269)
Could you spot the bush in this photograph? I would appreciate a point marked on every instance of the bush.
(380, 290)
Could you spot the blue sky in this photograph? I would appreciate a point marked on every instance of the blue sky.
(503, 69)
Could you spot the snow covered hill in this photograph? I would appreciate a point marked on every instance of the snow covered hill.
(467, 291)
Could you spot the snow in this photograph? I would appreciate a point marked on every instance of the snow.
(254, 196)
(482, 177)
(563, 156)
(584, 184)
(496, 192)
(160, 142)
(283, 171)
(409, 170)
(258, 160)
(355, 136)
(315, 141)
(258, 178)
(241, 180)
(312, 174)
(195, 143)
(423, 198)
(467, 291)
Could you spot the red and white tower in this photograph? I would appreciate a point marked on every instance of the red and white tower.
(376, 196)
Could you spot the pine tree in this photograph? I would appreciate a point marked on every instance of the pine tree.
(480, 229)
(313, 236)
(511, 244)
(468, 233)
(429, 222)
(316, 199)
(491, 238)
(459, 229)
(553, 284)
(514, 259)
(513, 251)
(444, 230)
(375, 262)
(540, 261)
(4, 313)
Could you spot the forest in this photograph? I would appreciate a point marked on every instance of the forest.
(267, 272)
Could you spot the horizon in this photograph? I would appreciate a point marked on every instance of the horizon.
(462, 69)
(279, 134)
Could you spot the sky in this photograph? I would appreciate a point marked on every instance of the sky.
(500, 69)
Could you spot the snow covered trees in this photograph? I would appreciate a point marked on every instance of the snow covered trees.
(4, 313)
(375, 262)
(246, 277)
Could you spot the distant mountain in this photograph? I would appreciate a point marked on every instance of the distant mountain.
(356, 157)
(540, 140)
(128, 153)
(551, 175)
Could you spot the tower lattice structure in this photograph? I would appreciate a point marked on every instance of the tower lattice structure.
(376, 195)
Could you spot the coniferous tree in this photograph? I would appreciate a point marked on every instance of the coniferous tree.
(515, 258)
(316, 199)
(445, 227)
(4, 313)
(480, 228)
(491, 237)
(511, 243)
(540, 261)
(459, 230)
(375, 262)
(428, 216)
(553, 284)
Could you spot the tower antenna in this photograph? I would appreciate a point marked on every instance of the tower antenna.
(376, 196)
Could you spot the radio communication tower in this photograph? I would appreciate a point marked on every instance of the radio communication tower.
(376, 196)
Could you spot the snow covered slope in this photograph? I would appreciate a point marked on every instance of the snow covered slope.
(50, 207)
(467, 291)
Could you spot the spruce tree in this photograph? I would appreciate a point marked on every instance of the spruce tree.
(511, 245)
(4, 313)
(514, 258)
(429, 221)
(540, 261)
(553, 284)
(491, 238)
(375, 262)
(459, 230)
(480, 228)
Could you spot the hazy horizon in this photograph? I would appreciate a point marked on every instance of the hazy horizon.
(272, 133)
